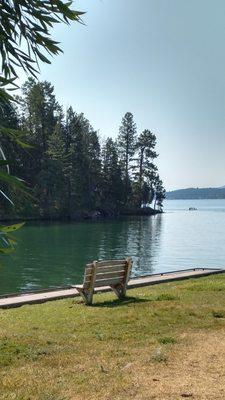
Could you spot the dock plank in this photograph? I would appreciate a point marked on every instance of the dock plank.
(41, 297)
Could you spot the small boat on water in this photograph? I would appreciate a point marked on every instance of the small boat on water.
(192, 209)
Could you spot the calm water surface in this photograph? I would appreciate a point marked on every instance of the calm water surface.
(50, 255)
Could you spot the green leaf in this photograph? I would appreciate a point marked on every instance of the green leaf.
(42, 57)
(6, 250)
(11, 228)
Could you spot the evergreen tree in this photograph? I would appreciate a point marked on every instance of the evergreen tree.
(160, 193)
(80, 165)
(112, 184)
(39, 115)
(51, 181)
(144, 169)
(94, 167)
(41, 111)
(69, 128)
(126, 147)
(84, 164)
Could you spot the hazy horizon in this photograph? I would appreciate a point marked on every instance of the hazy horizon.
(164, 61)
(197, 187)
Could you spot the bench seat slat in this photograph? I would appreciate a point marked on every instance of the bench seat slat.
(112, 270)
(106, 275)
(108, 263)
(117, 267)
(111, 263)
(108, 282)
(109, 275)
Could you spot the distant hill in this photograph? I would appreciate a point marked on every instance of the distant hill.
(196, 193)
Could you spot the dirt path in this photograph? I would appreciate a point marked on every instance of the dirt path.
(195, 369)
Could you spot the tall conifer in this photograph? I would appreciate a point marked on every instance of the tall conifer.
(126, 147)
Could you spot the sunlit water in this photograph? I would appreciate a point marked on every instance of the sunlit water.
(50, 255)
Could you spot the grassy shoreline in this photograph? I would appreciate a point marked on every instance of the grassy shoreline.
(117, 350)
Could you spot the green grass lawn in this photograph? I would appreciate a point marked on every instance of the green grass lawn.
(65, 350)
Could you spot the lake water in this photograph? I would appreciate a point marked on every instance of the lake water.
(50, 255)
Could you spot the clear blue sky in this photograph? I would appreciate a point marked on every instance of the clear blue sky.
(163, 60)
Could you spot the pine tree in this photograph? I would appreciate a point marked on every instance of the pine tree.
(144, 169)
(53, 201)
(126, 147)
(41, 111)
(112, 185)
(160, 193)
(94, 178)
(84, 164)
(39, 115)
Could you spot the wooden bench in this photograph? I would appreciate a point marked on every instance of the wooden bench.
(113, 273)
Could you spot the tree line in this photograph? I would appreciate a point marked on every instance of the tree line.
(70, 173)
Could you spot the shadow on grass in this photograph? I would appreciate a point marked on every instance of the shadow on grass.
(119, 302)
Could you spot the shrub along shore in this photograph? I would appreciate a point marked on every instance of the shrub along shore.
(88, 215)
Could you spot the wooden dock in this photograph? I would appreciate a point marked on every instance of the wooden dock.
(17, 300)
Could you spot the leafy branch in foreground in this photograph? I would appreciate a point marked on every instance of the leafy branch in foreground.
(8, 241)
(7, 180)
(28, 22)
(14, 135)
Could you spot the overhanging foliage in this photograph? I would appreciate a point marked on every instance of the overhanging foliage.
(26, 24)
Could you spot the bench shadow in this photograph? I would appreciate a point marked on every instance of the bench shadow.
(119, 302)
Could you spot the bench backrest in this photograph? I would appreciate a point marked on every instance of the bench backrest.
(106, 273)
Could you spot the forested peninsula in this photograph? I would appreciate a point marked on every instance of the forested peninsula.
(69, 172)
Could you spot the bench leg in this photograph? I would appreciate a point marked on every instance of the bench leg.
(87, 295)
(120, 290)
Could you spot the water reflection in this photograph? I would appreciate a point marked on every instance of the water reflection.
(146, 236)
(50, 255)
(138, 238)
